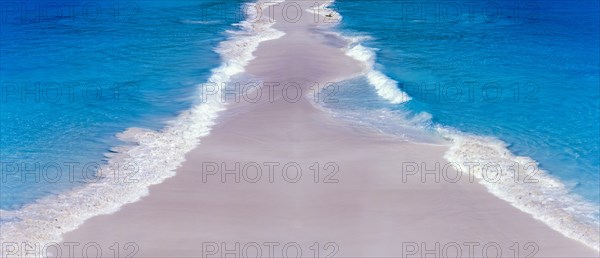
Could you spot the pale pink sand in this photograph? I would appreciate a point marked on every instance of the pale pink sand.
(369, 212)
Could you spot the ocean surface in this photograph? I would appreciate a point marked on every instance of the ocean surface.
(70, 83)
(530, 79)
(76, 77)
(504, 81)
(101, 100)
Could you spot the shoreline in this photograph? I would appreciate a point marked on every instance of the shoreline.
(368, 211)
(284, 175)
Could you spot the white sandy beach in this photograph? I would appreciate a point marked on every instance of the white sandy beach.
(365, 210)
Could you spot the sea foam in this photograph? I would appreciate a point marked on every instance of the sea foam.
(519, 181)
(386, 87)
(154, 155)
(543, 196)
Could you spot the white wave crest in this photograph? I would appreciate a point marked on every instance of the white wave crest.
(545, 198)
(386, 87)
(529, 189)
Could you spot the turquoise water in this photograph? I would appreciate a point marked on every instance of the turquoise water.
(137, 64)
(70, 85)
(529, 78)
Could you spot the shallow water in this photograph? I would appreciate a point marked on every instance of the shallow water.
(509, 84)
(71, 83)
(530, 80)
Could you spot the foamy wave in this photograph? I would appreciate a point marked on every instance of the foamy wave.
(533, 191)
(547, 199)
(154, 154)
(515, 179)
(386, 87)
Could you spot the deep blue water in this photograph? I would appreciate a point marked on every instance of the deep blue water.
(528, 75)
(98, 73)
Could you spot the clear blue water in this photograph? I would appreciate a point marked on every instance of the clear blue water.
(549, 48)
(149, 60)
(138, 67)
